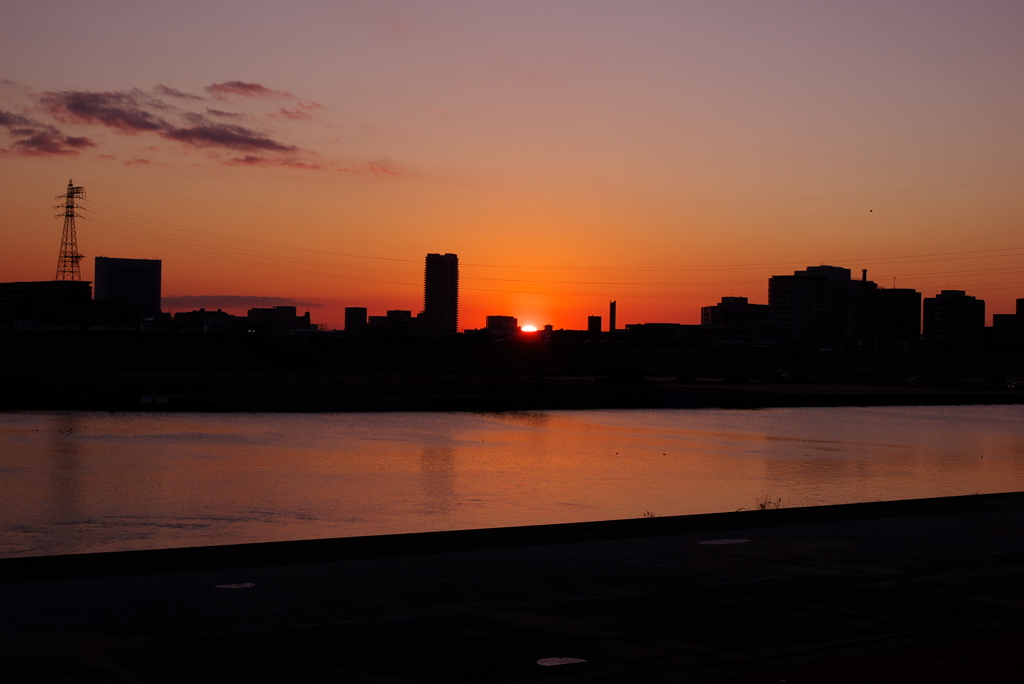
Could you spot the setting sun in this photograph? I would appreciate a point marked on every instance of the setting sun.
(529, 328)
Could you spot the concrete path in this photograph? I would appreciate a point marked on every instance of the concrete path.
(914, 591)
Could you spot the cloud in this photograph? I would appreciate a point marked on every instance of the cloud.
(79, 142)
(126, 113)
(384, 167)
(252, 160)
(36, 139)
(174, 92)
(242, 89)
(136, 162)
(294, 113)
(121, 111)
(231, 302)
(217, 112)
(226, 135)
(162, 112)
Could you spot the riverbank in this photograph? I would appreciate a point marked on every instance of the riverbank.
(921, 590)
(665, 395)
(106, 371)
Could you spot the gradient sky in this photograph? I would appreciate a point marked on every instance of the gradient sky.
(662, 154)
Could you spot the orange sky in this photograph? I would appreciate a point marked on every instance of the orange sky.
(662, 154)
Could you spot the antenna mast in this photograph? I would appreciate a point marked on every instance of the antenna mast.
(67, 264)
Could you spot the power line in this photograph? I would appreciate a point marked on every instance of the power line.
(721, 205)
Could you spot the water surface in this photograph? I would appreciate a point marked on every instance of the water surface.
(78, 482)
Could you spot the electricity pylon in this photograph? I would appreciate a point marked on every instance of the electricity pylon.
(67, 264)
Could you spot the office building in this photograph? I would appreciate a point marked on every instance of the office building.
(46, 303)
(594, 326)
(893, 315)
(502, 326)
(355, 318)
(954, 321)
(809, 308)
(132, 283)
(278, 320)
(441, 293)
(734, 311)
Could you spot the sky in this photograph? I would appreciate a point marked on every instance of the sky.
(661, 154)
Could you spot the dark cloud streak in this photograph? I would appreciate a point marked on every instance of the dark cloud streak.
(231, 301)
(242, 89)
(120, 111)
(36, 139)
(174, 92)
(125, 113)
(226, 135)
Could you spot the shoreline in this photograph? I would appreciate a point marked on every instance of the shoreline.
(670, 397)
(410, 544)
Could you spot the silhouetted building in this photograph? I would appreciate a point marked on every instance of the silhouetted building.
(46, 303)
(594, 326)
(397, 323)
(502, 326)
(441, 293)
(280, 319)
(611, 317)
(735, 311)
(954, 321)
(133, 283)
(1008, 330)
(809, 308)
(694, 335)
(893, 315)
(205, 321)
(355, 318)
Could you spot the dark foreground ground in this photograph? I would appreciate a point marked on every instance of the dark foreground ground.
(914, 591)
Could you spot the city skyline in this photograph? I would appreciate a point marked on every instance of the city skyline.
(660, 155)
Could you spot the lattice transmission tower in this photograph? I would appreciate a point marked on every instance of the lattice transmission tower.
(67, 264)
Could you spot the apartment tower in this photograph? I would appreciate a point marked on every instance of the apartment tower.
(441, 293)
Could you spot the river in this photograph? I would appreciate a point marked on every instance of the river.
(80, 482)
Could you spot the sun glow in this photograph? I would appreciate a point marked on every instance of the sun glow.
(529, 328)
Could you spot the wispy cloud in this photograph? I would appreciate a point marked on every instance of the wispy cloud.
(174, 92)
(253, 160)
(231, 302)
(226, 135)
(120, 111)
(384, 167)
(126, 112)
(293, 113)
(243, 89)
(36, 139)
(64, 122)
(217, 112)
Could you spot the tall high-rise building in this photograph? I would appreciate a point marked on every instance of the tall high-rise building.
(441, 293)
(134, 283)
